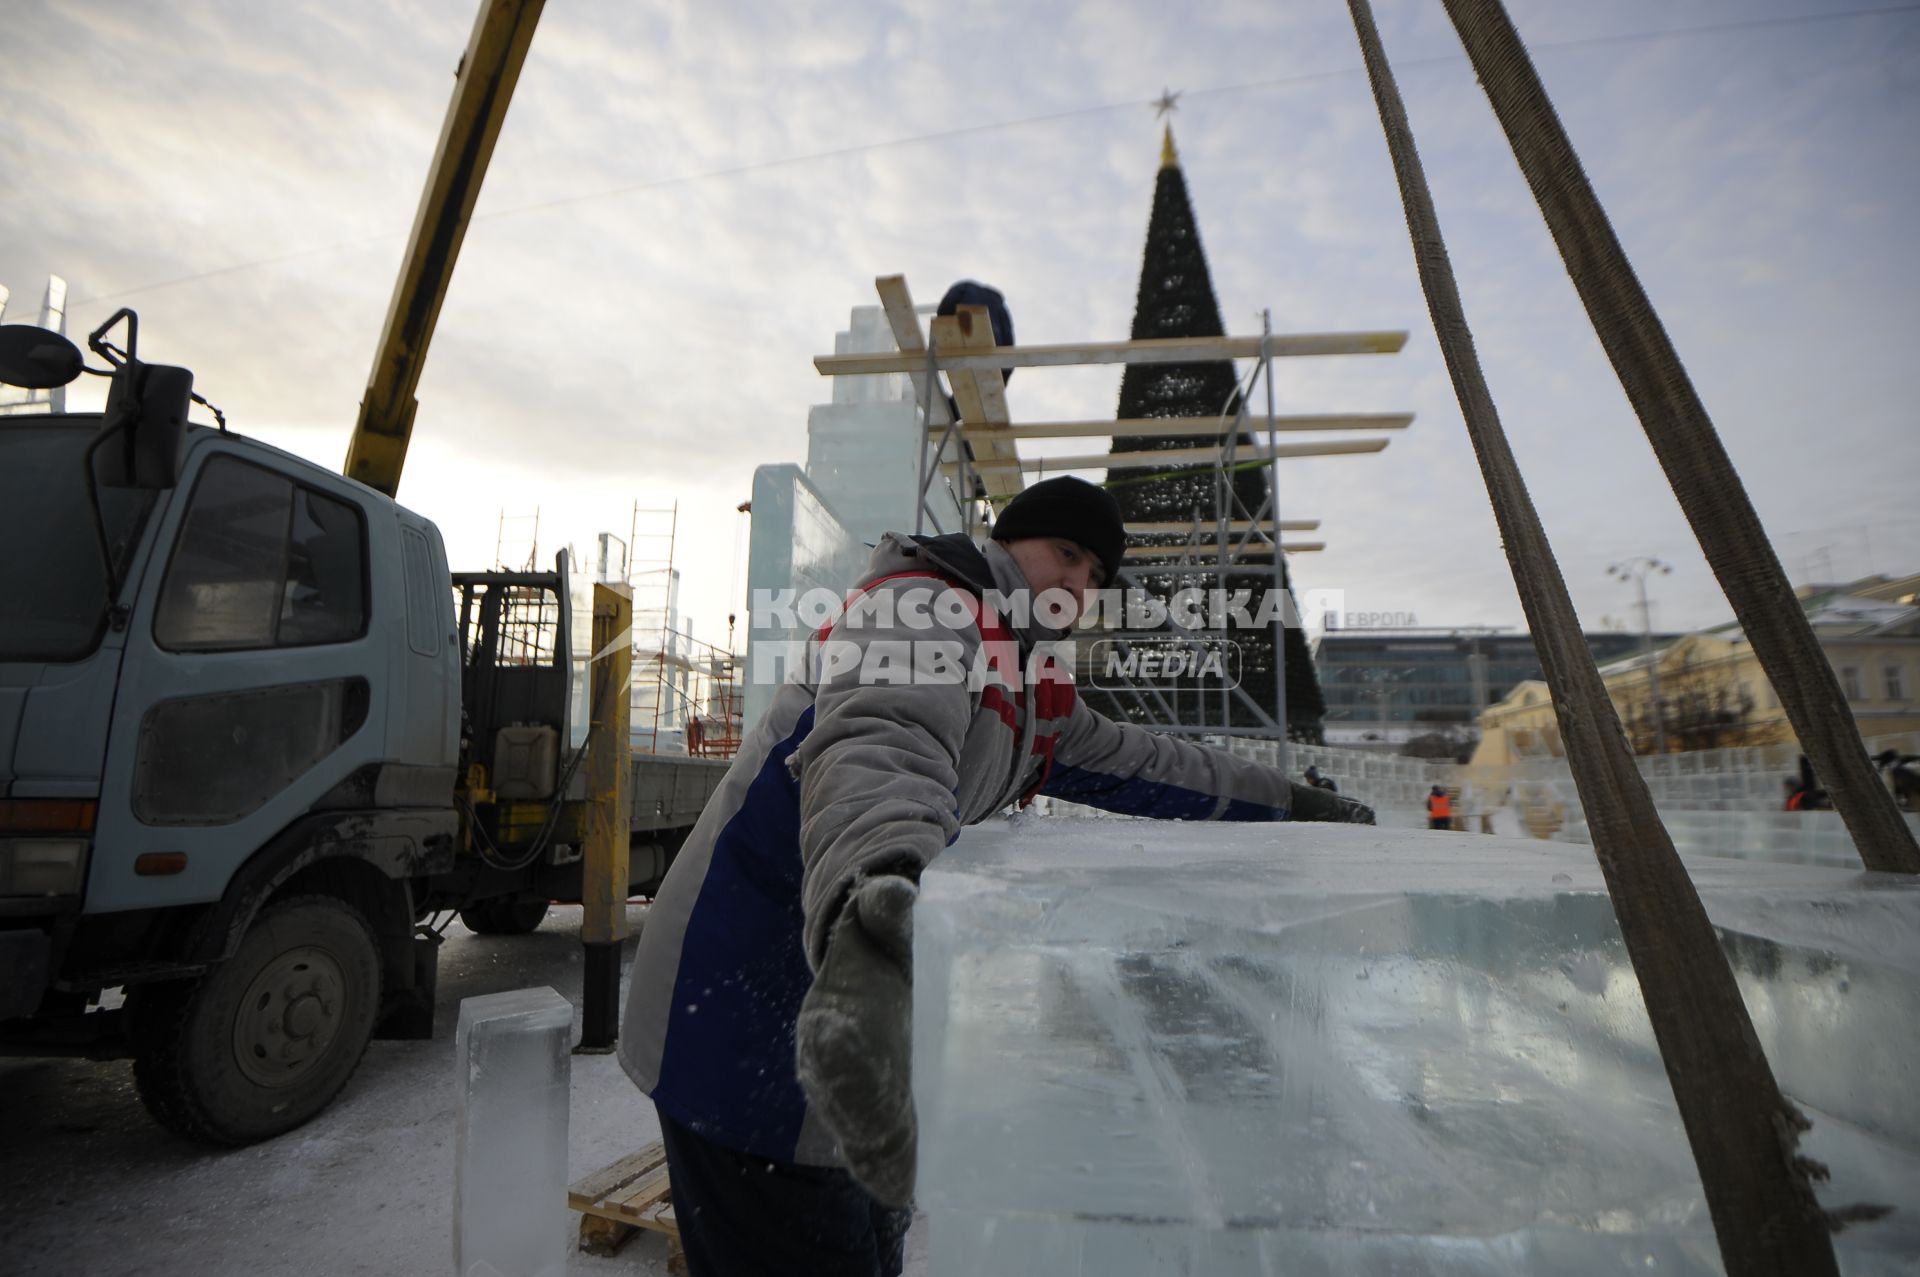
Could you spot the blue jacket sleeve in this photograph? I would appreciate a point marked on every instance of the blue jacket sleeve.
(1123, 768)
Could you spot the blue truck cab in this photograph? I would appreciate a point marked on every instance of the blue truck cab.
(252, 733)
(262, 718)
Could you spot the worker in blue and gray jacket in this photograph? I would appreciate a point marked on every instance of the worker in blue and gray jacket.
(769, 1011)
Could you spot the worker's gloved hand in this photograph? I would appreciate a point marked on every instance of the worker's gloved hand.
(854, 1042)
(1313, 803)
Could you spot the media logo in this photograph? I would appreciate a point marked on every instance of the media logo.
(1191, 663)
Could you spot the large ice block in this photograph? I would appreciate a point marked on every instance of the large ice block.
(799, 545)
(1235, 1049)
(513, 1072)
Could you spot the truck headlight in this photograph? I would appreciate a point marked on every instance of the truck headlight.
(42, 866)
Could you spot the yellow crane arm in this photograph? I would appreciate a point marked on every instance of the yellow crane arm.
(483, 86)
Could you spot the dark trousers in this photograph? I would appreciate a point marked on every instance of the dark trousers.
(746, 1216)
(1439, 822)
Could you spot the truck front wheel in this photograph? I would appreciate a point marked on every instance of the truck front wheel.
(268, 1038)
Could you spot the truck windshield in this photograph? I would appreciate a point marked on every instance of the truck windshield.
(53, 594)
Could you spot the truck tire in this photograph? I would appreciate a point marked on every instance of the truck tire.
(505, 916)
(266, 1040)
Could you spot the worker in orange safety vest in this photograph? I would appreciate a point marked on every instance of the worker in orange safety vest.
(1439, 809)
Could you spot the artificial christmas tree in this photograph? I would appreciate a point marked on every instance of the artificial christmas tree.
(1176, 299)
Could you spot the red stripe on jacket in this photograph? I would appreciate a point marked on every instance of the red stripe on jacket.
(1054, 693)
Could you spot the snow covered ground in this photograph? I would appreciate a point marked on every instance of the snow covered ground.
(89, 1185)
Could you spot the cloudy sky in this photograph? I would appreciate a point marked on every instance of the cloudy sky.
(689, 197)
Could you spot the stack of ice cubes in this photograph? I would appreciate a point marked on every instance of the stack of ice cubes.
(1147, 1047)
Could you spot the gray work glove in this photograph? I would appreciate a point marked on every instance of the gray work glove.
(1313, 803)
(854, 1041)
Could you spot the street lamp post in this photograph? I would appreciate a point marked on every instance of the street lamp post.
(1636, 570)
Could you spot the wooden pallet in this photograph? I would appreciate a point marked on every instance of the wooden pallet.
(627, 1196)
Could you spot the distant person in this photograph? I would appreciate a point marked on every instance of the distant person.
(971, 292)
(1902, 776)
(1811, 797)
(1439, 809)
(1318, 781)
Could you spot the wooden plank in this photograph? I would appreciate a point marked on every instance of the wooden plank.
(1206, 551)
(980, 396)
(633, 1193)
(1262, 565)
(948, 333)
(897, 302)
(1155, 350)
(591, 1188)
(1176, 456)
(1213, 455)
(645, 1192)
(1183, 427)
(1183, 526)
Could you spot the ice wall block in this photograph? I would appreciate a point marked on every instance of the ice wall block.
(1162, 1048)
(510, 1137)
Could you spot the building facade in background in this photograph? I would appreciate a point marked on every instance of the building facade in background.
(1714, 694)
(1386, 687)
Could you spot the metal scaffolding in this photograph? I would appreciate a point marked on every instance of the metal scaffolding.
(971, 443)
(688, 695)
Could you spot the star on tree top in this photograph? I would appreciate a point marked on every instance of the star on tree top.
(1166, 104)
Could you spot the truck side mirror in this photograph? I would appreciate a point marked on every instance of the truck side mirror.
(151, 400)
(35, 358)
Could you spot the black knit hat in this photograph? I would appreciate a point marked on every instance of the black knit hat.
(1070, 508)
